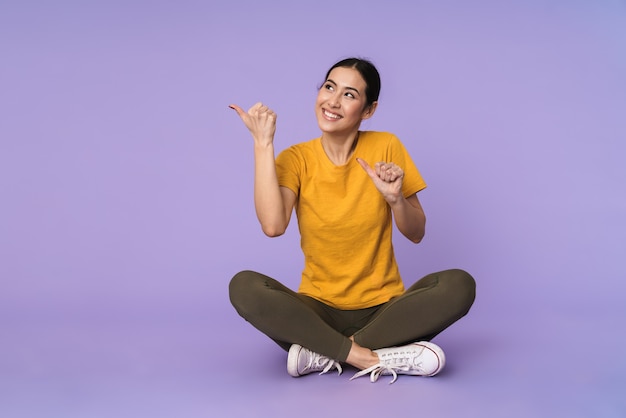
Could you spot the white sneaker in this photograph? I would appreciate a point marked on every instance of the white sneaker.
(301, 361)
(419, 359)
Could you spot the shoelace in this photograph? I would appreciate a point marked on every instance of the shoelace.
(394, 364)
(378, 369)
(316, 361)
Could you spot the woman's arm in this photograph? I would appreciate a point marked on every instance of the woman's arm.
(273, 204)
(410, 218)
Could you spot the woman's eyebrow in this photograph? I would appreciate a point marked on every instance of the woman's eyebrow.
(347, 87)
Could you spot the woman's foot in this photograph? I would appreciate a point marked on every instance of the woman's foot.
(419, 359)
(301, 361)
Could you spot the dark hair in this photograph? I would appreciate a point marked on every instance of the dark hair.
(369, 73)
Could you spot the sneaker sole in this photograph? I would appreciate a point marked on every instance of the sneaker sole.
(292, 360)
(441, 357)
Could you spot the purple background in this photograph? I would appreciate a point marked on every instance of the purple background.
(126, 201)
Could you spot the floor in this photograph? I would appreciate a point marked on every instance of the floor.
(535, 366)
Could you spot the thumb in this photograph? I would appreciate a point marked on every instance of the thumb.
(366, 167)
(237, 109)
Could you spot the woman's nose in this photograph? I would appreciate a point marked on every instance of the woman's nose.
(334, 101)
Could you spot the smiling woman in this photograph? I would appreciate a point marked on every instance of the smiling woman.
(347, 187)
(342, 103)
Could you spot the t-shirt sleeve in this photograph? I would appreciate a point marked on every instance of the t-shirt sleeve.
(288, 169)
(413, 181)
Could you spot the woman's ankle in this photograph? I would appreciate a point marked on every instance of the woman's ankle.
(361, 357)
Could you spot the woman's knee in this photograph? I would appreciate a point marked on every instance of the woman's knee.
(463, 280)
(239, 281)
(253, 293)
(462, 284)
(241, 285)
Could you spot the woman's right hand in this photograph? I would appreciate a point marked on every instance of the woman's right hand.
(260, 121)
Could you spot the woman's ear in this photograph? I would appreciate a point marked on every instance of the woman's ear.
(369, 111)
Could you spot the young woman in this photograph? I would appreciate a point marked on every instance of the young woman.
(347, 188)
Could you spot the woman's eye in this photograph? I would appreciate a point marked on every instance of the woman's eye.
(328, 87)
(350, 95)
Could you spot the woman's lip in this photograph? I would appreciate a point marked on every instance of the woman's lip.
(330, 115)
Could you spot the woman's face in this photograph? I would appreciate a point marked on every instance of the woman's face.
(341, 102)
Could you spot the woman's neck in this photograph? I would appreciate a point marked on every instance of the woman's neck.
(339, 149)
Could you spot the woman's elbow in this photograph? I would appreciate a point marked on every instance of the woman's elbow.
(273, 231)
(416, 239)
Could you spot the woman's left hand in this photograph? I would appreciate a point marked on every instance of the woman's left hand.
(387, 178)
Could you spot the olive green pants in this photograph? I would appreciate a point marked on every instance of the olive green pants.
(424, 310)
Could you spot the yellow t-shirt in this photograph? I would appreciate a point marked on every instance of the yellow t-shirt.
(345, 224)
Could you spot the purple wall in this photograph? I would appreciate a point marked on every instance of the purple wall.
(126, 182)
